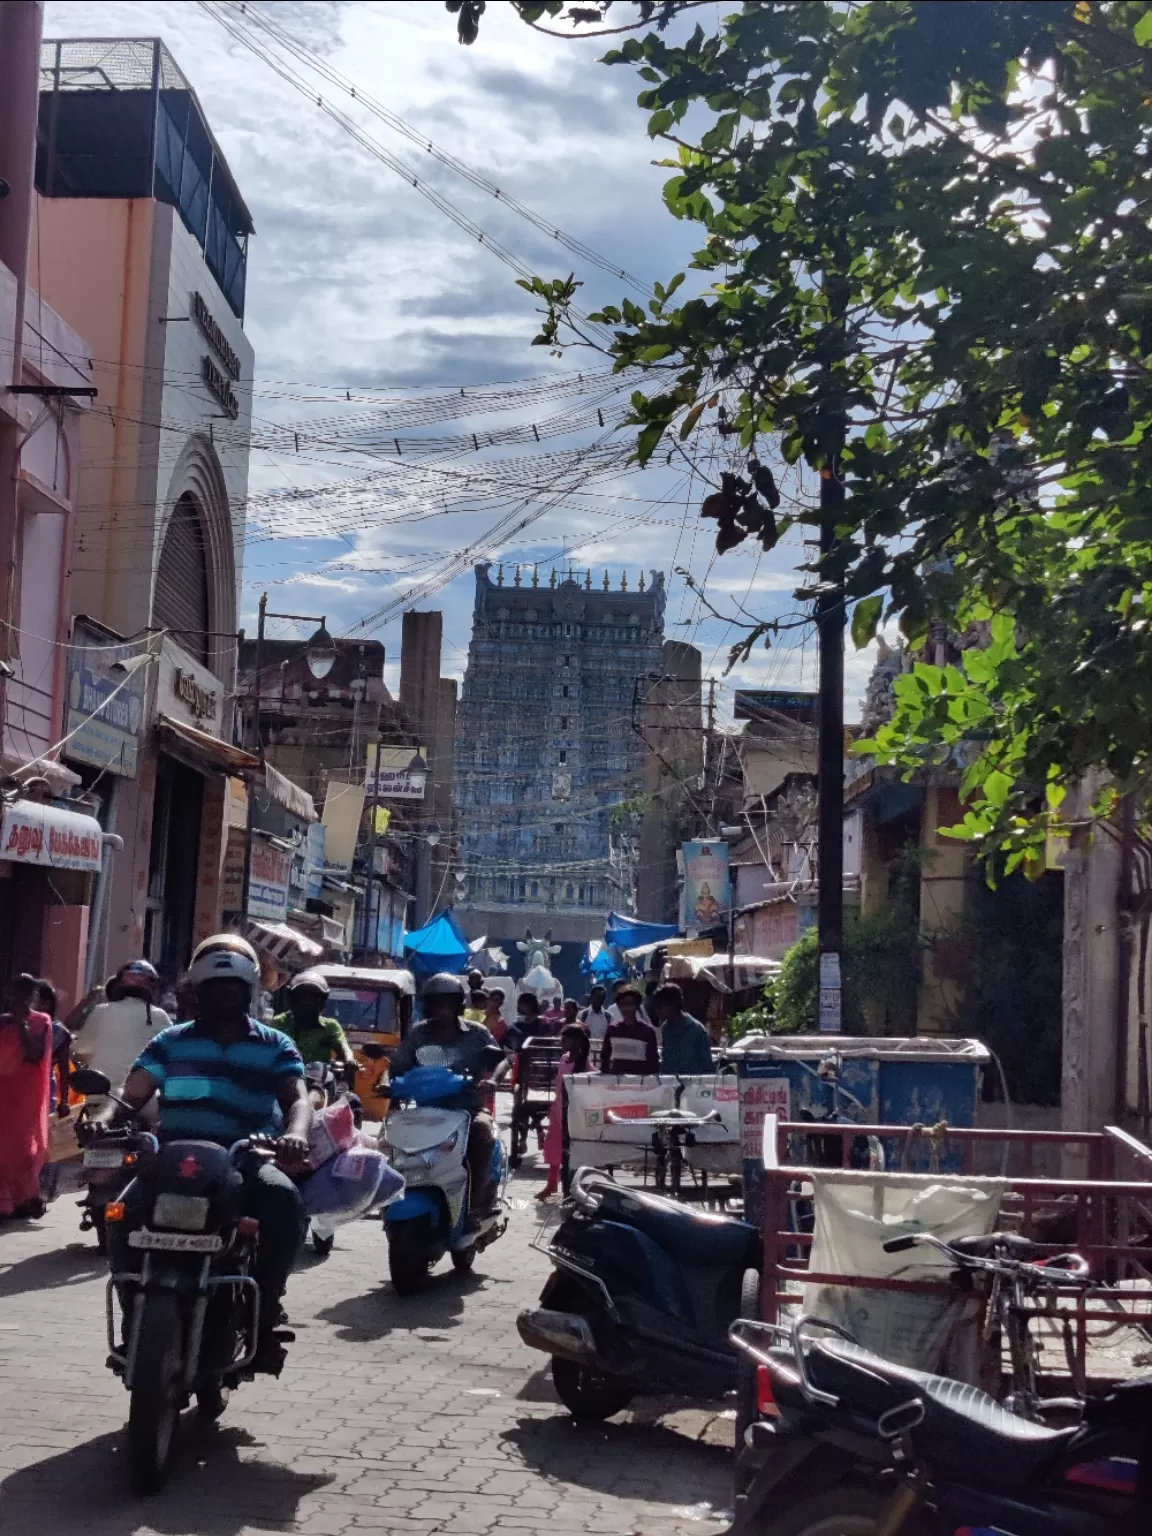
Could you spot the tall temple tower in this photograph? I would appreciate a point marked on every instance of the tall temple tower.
(548, 742)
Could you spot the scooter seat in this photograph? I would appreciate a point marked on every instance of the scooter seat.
(695, 1239)
(962, 1427)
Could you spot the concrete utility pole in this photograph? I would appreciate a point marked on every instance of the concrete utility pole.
(830, 780)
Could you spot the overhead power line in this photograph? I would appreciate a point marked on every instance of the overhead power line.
(393, 120)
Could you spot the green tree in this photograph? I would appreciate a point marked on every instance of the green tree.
(927, 266)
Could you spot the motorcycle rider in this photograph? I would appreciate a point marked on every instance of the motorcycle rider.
(463, 1044)
(223, 1077)
(115, 1032)
(317, 1036)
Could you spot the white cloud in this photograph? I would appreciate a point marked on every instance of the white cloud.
(356, 281)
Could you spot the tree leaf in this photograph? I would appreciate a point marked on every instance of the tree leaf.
(865, 617)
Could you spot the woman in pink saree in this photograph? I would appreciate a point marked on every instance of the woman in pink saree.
(577, 1045)
(25, 1071)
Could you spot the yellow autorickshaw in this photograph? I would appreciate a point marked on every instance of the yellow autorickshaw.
(374, 1008)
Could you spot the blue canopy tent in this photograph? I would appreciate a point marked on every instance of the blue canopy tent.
(601, 963)
(438, 946)
(628, 933)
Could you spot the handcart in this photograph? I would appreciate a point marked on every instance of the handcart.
(1100, 1211)
(534, 1072)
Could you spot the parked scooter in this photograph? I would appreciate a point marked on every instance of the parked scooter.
(192, 1312)
(426, 1139)
(642, 1296)
(847, 1443)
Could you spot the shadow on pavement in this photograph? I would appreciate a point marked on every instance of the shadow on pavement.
(210, 1490)
(47, 1271)
(381, 1312)
(668, 1468)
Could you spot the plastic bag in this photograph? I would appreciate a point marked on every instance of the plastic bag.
(333, 1131)
(856, 1213)
(349, 1184)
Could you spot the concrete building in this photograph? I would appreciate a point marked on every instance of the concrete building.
(51, 847)
(140, 242)
(430, 707)
(672, 728)
(548, 746)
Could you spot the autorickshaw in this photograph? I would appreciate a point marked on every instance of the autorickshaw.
(374, 1008)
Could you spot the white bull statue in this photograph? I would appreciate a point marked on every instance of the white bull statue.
(538, 978)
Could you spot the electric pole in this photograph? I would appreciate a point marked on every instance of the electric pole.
(830, 780)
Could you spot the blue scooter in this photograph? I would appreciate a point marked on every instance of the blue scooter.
(426, 1139)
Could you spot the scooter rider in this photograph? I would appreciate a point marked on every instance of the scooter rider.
(223, 1077)
(463, 1045)
(317, 1036)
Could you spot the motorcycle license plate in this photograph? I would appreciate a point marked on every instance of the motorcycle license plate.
(103, 1157)
(177, 1242)
(181, 1213)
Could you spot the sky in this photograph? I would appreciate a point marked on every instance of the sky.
(378, 324)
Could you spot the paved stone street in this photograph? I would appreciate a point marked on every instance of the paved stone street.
(422, 1415)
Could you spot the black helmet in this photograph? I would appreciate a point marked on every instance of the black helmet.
(444, 984)
(136, 976)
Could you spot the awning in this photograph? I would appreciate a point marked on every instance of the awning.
(283, 943)
(202, 751)
(628, 932)
(49, 835)
(294, 799)
(438, 946)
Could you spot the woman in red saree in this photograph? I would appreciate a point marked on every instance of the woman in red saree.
(25, 1071)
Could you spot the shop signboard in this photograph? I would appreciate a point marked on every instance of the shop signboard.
(314, 860)
(268, 881)
(105, 707)
(49, 835)
(398, 775)
(187, 691)
(707, 894)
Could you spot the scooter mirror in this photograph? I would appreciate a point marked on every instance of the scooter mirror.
(87, 1080)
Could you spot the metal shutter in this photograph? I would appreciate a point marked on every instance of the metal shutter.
(180, 603)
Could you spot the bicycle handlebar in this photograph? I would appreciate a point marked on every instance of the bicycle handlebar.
(1061, 1269)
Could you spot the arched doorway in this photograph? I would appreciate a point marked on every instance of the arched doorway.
(180, 602)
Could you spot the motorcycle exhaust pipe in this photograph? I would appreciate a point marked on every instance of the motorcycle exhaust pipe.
(903, 1506)
(561, 1333)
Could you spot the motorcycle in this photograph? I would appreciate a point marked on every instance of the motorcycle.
(192, 1311)
(641, 1298)
(425, 1140)
(107, 1171)
(847, 1443)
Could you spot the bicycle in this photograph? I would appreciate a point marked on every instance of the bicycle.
(1019, 1275)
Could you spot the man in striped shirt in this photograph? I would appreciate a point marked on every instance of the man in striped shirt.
(224, 1077)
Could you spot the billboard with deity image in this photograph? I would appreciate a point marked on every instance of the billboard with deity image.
(707, 893)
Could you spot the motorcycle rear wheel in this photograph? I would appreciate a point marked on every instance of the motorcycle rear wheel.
(155, 1402)
(586, 1394)
(849, 1510)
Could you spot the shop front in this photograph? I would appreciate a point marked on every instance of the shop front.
(50, 854)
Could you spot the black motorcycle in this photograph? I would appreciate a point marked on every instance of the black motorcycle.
(641, 1299)
(192, 1309)
(850, 1444)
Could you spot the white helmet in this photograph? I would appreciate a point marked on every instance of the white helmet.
(225, 955)
(313, 980)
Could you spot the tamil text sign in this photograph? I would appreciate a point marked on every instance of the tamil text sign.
(396, 773)
(105, 706)
(47, 834)
(268, 882)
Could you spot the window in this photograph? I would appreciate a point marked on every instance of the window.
(569, 892)
(564, 691)
(567, 636)
(567, 661)
(563, 722)
(535, 888)
(563, 757)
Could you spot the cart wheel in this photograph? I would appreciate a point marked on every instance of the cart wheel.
(746, 1412)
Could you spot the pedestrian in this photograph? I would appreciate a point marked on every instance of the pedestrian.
(58, 1075)
(553, 1016)
(614, 1014)
(117, 1032)
(685, 1049)
(630, 1044)
(528, 1022)
(595, 1017)
(477, 1003)
(577, 1047)
(571, 1011)
(493, 1020)
(25, 1072)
